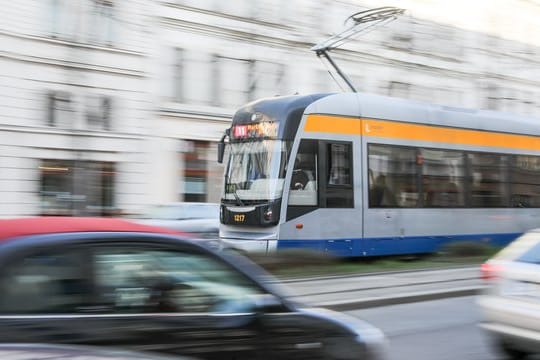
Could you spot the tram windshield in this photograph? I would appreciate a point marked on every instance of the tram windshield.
(256, 170)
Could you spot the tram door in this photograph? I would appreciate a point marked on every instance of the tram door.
(320, 211)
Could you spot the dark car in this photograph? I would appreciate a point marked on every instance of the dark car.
(112, 282)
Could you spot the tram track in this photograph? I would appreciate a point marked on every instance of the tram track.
(361, 291)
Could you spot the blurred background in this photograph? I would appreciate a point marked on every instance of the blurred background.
(108, 106)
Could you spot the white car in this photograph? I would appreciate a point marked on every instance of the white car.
(197, 218)
(510, 305)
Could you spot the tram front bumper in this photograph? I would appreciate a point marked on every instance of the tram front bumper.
(249, 245)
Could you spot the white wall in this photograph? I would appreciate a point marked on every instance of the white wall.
(452, 58)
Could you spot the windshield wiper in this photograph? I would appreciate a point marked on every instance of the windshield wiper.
(229, 186)
(238, 200)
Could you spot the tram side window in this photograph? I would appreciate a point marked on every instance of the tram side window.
(525, 181)
(339, 164)
(304, 178)
(339, 185)
(488, 180)
(443, 178)
(392, 176)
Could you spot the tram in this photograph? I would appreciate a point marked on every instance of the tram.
(356, 174)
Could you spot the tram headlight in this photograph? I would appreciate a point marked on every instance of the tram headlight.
(268, 214)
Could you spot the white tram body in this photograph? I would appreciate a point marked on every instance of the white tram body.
(380, 175)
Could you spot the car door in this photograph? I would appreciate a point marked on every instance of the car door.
(130, 293)
(42, 291)
(175, 300)
(188, 301)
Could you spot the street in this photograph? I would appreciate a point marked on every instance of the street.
(432, 330)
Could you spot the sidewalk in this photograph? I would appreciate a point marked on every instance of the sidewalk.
(370, 290)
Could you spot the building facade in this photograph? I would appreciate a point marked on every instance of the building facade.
(74, 110)
(108, 106)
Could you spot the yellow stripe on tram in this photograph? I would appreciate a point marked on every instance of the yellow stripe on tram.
(418, 132)
(333, 124)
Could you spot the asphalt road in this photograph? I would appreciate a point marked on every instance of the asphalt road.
(432, 330)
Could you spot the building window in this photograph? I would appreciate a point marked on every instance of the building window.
(399, 89)
(98, 112)
(216, 84)
(179, 60)
(102, 22)
(73, 188)
(492, 97)
(266, 79)
(281, 79)
(59, 111)
(192, 77)
(195, 177)
(447, 42)
(236, 80)
(401, 34)
(252, 79)
(63, 18)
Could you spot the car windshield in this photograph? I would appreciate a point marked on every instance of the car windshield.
(526, 248)
(183, 211)
(256, 170)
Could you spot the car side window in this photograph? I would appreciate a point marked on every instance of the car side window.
(153, 280)
(48, 282)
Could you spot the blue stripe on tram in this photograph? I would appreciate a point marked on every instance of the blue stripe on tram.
(379, 246)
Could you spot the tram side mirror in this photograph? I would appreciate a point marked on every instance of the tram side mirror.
(221, 152)
(221, 146)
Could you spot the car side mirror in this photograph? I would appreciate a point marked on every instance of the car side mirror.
(266, 302)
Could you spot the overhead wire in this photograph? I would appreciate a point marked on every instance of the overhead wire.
(376, 17)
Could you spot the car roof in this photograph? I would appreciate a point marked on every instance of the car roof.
(18, 227)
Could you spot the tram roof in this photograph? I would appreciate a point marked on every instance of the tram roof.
(390, 108)
(275, 107)
(284, 109)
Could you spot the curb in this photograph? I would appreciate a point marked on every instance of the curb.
(346, 305)
(375, 273)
